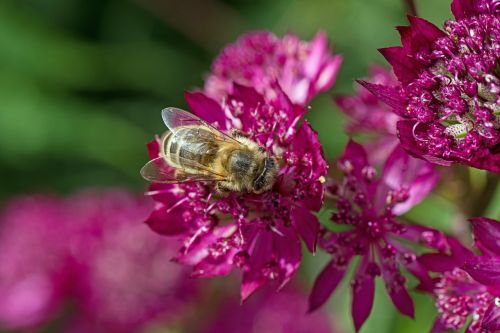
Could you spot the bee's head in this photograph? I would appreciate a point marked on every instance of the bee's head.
(266, 176)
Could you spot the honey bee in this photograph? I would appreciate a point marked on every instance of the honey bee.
(192, 150)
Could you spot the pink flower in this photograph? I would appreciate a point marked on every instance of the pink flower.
(256, 233)
(269, 312)
(459, 297)
(33, 263)
(368, 206)
(260, 59)
(367, 115)
(125, 277)
(469, 285)
(450, 86)
(91, 251)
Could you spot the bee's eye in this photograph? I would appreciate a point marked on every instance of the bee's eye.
(262, 149)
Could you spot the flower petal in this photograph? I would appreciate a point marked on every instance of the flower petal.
(485, 271)
(325, 284)
(437, 262)
(462, 8)
(313, 62)
(206, 108)
(328, 75)
(307, 225)
(487, 233)
(388, 95)
(356, 155)
(403, 302)
(363, 294)
(405, 69)
(491, 318)
(401, 171)
(250, 283)
(395, 286)
(439, 326)
(424, 33)
(490, 162)
(167, 222)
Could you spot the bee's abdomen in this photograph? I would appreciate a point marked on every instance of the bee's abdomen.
(190, 144)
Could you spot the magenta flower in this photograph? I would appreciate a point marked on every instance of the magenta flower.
(450, 96)
(470, 285)
(125, 277)
(33, 264)
(90, 251)
(368, 206)
(256, 233)
(260, 59)
(269, 312)
(367, 115)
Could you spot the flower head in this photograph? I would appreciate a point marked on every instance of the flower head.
(368, 206)
(470, 285)
(459, 297)
(91, 251)
(257, 233)
(125, 277)
(369, 115)
(450, 94)
(32, 286)
(260, 59)
(269, 312)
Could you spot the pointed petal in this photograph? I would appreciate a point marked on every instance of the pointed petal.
(206, 108)
(328, 75)
(318, 48)
(165, 222)
(325, 285)
(402, 171)
(426, 236)
(153, 149)
(437, 262)
(395, 284)
(287, 252)
(485, 271)
(355, 154)
(405, 34)
(363, 293)
(439, 326)
(462, 8)
(405, 69)
(250, 283)
(307, 225)
(403, 302)
(424, 33)
(490, 162)
(491, 318)
(248, 94)
(388, 95)
(487, 233)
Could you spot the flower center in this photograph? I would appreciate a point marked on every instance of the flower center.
(456, 97)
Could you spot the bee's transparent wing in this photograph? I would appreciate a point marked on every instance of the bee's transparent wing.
(175, 118)
(159, 171)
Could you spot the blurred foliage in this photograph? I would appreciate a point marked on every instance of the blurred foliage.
(83, 82)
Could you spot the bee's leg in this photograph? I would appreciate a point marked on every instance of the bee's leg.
(236, 133)
(223, 188)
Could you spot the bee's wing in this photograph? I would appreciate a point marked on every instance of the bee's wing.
(175, 118)
(159, 171)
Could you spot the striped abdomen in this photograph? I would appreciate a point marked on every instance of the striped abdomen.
(190, 146)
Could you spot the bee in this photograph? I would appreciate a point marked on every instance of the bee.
(194, 151)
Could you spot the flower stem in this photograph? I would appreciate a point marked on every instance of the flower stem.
(410, 7)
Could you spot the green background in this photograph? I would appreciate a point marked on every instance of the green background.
(83, 81)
